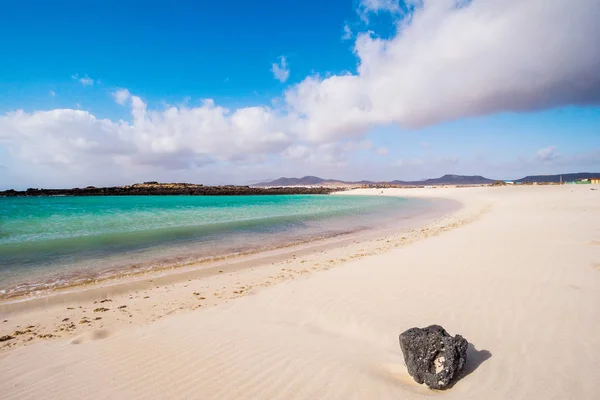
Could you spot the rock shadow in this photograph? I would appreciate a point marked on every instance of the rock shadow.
(474, 359)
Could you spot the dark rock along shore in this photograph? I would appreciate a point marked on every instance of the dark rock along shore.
(172, 189)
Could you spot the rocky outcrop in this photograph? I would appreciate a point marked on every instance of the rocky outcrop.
(152, 188)
(432, 356)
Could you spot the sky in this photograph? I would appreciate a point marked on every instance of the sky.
(236, 92)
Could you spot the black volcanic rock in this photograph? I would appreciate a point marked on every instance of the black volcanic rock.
(173, 189)
(432, 356)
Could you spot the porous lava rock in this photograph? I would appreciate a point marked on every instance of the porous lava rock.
(432, 356)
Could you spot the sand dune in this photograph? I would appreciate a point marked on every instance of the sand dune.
(517, 276)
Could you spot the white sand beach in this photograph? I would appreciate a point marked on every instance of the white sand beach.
(516, 271)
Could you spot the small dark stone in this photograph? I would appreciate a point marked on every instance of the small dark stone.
(6, 338)
(432, 356)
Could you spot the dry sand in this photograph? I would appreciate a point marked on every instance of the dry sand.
(516, 271)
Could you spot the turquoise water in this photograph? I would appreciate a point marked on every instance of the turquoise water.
(49, 242)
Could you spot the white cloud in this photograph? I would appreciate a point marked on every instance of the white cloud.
(347, 33)
(175, 138)
(121, 96)
(376, 6)
(547, 154)
(366, 7)
(447, 63)
(280, 70)
(297, 152)
(85, 80)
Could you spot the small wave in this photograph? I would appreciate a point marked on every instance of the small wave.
(81, 279)
(43, 266)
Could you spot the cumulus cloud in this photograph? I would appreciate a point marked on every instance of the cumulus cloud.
(174, 138)
(280, 70)
(85, 80)
(121, 96)
(448, 62)
(449, 59)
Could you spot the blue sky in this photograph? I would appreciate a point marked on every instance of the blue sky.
(112, 92)
(222, 50)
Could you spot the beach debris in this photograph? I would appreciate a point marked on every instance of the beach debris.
(101, 309)
(432, 356)
(6, 338)
(46, 336)
(121, 307)
(66, 327)
(105, 300)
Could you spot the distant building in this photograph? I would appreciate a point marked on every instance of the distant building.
(595, 181)
(509, 182)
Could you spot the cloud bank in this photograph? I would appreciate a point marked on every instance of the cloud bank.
(449, 59)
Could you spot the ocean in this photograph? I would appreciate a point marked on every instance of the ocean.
(48, 243)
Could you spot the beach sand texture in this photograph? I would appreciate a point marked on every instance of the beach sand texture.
(516, 272)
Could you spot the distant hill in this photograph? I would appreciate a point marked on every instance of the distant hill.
(449, 180)
(444, 180)
(556, 178)
(307, 180)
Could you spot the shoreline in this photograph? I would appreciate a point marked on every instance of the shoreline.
(97, 280)
(86, 296)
